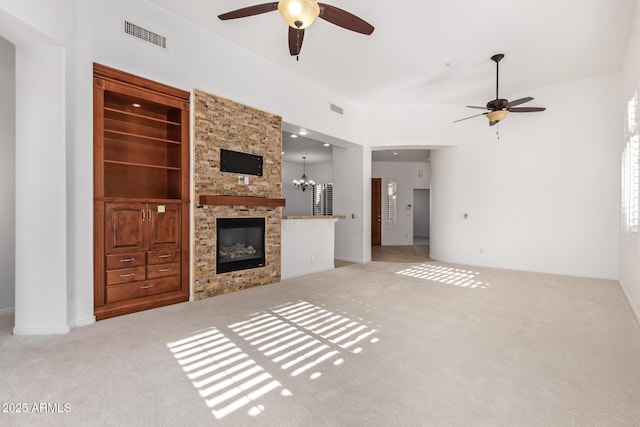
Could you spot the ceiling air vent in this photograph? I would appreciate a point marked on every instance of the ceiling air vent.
(336, 109)
(145, 35)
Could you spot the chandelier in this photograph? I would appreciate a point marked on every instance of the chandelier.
(303, 183)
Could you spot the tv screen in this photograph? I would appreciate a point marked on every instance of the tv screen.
(236, 162)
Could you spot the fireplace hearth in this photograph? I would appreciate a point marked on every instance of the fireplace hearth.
(240, 244)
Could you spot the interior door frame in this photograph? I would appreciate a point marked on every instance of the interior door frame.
(376, 211)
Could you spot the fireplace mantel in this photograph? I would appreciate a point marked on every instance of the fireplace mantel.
(221, 200)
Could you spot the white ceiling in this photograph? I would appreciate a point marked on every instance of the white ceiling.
(316, 152)
(427, 51)
(431, 52)
(294, 148)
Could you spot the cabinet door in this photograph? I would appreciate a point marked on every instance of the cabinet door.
(164, 228)
(125, 227)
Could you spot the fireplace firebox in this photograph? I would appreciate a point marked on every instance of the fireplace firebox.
(240, 244)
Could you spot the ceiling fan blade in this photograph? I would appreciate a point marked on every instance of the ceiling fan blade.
(344, 19)
(295, 40)
(470, 117)
(519, 101)
(249, 11)
(473, 106)
(526, 109)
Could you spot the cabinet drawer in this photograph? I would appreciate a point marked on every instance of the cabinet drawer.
(161, 270)
(115, 262)
(163, 256)
(125, 275)
(145, 288)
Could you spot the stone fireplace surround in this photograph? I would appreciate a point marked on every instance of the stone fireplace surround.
(221, 123)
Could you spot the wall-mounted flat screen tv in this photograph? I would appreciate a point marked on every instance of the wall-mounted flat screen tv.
(236, 162)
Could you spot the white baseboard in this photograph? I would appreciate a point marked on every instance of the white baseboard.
(634, 309)
(359, 261)
(83, 322)
(44, 330)
(292, 274)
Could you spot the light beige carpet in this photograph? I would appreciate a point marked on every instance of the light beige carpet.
(378, 344)
(409, 253)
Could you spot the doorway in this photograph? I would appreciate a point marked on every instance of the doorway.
(421, 216)
(376, 211)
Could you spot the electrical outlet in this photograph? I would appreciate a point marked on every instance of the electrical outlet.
(241, 180)
(246, 180)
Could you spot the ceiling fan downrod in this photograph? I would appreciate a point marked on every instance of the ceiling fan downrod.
(496, 58)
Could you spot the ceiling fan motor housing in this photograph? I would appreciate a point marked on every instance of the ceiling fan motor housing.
(497, 104)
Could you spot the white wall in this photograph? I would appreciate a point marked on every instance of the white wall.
(7, 174)
(90, 31)
(553, 182)
(407, 176)
(195, 59)
(41, 135)
(351, 193)
(546, 196)
(307, 246)
(41, 232)
(299, 202)
(630, 243)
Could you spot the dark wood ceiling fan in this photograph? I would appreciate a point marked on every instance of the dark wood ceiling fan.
(299, 14)
(499, 108)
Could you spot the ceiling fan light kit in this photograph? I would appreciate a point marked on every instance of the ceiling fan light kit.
(499, 108)
(299, 14)
(496, 116)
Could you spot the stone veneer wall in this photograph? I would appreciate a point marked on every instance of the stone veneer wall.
(221, 123)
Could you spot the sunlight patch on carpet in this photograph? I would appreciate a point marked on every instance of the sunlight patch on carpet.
(448, 275)
(297, 338)
(225, 376)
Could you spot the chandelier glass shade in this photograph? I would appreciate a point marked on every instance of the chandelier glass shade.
(299, 13)
(303, 183)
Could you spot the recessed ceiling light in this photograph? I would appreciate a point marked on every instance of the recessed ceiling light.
(302, 132)
(293, 135)
(137, 105)
(327, 145)
(395, 153)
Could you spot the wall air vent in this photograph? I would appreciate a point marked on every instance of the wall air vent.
(144, 34)
(336, 109)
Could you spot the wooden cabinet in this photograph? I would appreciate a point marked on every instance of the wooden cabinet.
(135, 227)
(141, 193)
(142, 245)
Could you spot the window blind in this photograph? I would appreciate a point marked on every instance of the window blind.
(631, 168)
(322, 199)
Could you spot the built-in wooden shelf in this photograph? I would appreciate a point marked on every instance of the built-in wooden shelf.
(240, 201)
(142, 165)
